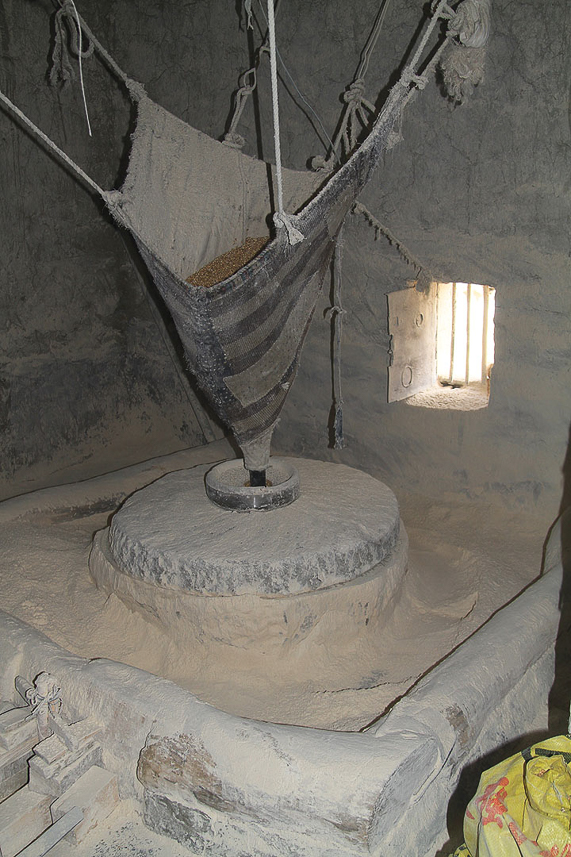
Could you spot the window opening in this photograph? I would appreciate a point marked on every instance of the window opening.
(441, 345)
(464, 333)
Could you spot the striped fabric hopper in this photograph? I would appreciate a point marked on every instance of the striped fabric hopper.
(187, 199)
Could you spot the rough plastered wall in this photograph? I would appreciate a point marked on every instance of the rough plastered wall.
(478, 193)
(89, 380)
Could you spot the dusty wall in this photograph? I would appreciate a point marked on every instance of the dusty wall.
(479, 193)
(88, 376)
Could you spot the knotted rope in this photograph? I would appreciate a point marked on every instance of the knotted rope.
(471, 23)
(68, 13)
(68, 28)
(281, 219)
(336, 313)
(354, 117)
(45, 701)
(247, 84)
(463, 66)
(67, 32)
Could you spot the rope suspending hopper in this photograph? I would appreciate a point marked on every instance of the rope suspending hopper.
(242, 336)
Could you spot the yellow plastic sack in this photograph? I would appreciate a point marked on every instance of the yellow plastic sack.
(523, 806)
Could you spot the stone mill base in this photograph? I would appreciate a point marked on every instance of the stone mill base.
(288, 590)
(227, 785)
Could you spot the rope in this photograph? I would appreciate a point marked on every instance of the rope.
(354, 96)
(79, 60)
(337, 312)
(231, 137)
(135, 89)
(51, 145)
(248, 10)
(275, 105)
(245, 89)
(409, 75)
(381, 229)
(281, 219)
(354, 115)
(372, 41)
(62, 70)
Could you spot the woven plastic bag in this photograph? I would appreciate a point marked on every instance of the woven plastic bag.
(523, 805)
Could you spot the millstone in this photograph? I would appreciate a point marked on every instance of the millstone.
(227, 486)
(169, 533)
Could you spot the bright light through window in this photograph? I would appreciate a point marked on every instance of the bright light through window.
(464, 333)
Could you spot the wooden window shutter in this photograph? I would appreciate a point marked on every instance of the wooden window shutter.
(412, 328)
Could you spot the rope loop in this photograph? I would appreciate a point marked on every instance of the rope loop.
(67, 13)
(355, 92)
(234, 140)
(320, 164)
(289, 221)
(68, 39)
(247, 84)
(333, 311)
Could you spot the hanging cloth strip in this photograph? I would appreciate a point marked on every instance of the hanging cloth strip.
(187, 198)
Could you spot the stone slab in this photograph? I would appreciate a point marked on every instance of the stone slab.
(17, 727)
(13, 771)
(96, 794)
(23, 816)
(172, 818)
(55, 778)
(344, 523)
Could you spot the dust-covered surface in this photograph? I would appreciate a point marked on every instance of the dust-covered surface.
(122, 834)
(466, 560)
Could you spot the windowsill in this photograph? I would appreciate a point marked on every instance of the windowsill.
(470, 398)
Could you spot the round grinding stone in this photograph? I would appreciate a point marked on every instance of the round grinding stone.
(169, 533)
(227, 486)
